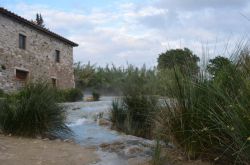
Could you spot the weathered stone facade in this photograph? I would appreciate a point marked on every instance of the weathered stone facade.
(38, 58)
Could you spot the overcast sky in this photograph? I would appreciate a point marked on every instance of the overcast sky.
(136, 31)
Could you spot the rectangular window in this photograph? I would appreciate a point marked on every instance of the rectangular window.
(57, 58)
(22, 41)
(53, 82)
(22, 75)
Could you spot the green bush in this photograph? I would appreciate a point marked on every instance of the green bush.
(33, 112)
(69, 95)
(73, 95)
(96, 96)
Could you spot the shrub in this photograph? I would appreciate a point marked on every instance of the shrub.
(69, 95)
(33, 112)
(96, 96)
(73, 95)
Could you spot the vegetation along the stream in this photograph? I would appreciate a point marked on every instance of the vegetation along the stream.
(203, 110)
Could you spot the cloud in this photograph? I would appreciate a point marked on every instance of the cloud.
(138, 32)
(201, 4)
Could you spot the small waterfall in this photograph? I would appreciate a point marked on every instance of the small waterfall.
(82, 117)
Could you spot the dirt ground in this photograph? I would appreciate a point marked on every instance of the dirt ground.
(23, 151)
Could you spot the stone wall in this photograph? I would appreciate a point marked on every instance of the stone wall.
(38, 58)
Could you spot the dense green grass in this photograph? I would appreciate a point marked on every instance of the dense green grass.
(210, 118)
(33, 112)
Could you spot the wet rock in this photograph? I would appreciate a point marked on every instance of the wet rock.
(132, 142)
(67, 140)
(133, 150)
(104, 122)
(75, 108)
(148, 152)
(114, 147)
(89, 99)
(100, 115)
(104, 145)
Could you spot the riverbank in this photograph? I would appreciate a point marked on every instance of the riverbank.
(115, 147)
(92, 144)
(23, 151)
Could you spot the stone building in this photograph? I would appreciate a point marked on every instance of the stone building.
(29, 52)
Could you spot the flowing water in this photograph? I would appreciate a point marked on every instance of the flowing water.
(82, 119)
(83, 123)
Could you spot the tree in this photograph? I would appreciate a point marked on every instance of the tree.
(83, 74)
(184, 59)
(217, 64)
(39, 20)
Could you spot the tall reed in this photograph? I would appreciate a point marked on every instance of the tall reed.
(210, 118)
(133, 112)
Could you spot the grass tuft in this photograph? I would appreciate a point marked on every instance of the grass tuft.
(33, 112)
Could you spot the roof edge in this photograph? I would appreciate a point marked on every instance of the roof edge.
(39, 28)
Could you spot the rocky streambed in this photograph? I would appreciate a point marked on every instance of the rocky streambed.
(112, 147)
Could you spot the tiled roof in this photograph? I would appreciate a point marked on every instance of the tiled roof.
(35, 26)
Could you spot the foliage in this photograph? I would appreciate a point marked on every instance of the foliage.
(179, 58)
(133, 112)
(39, 20)
(157, 153)
(206, 117)
(83, 75)
(217, 65)
(96, 96)
(133, 115)
(33, 112)
(69, 95)
(210, 118)
(110, 79)
(118, 114)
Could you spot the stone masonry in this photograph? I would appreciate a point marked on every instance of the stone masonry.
(38, 58)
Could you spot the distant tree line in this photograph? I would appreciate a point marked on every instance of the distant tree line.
(111, 79)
